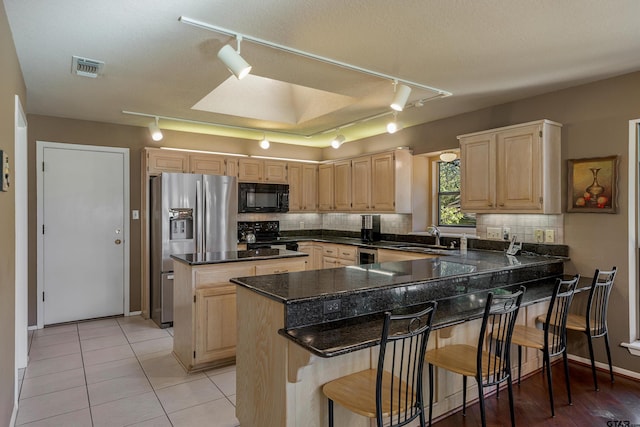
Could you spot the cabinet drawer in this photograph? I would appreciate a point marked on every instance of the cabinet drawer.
(330, 250)
(347, 252)
(221, 275)
(330, 262)
(281, 267)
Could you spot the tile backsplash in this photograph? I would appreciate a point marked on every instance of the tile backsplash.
(522, 225)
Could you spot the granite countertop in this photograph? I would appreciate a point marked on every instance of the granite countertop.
(312, 284)
(356, 333)
(236, 256)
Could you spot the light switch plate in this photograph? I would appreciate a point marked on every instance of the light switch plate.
(6, 172)
(494, 233)
(135, 214)
(549, 236)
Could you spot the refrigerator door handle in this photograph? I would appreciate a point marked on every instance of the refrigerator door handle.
(205, 214)
(199, 218)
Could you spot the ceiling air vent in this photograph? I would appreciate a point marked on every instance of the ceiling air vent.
(86, 67)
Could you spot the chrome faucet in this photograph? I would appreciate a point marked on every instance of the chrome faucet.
(435, 232)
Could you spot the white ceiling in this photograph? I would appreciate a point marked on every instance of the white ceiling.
(485, 52)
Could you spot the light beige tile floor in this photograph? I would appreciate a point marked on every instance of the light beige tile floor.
(118, 372)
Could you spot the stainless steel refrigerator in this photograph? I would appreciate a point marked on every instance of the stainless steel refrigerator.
(189, 214)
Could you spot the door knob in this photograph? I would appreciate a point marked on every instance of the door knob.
(118, 241)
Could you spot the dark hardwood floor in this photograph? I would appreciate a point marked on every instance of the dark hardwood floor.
(615, 405)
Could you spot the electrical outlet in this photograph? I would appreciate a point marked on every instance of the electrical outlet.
(301, 225)
(549, 236)
(539, 236)
(494, 233)
(331, 306)
(506, 233)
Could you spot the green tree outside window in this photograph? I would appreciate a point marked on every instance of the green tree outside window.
(449, 213)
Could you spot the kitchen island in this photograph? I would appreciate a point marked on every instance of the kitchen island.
(301, 330)
(204, 301)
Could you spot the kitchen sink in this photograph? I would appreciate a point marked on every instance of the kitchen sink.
(428, 249)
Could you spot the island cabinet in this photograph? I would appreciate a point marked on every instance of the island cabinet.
(303, 187)
(515, 169)
(258, 170)
(205, 319)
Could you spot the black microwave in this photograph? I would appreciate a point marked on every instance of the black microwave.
(254, 197)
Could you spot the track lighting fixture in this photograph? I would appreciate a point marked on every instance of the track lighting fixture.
(264, 143)
(234, 62)
(401, 96)
(338, 141)
(154, 129)
(448, 156)
(393, 126)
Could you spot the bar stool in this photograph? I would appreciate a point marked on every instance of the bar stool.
(394, 389)
(552, 339)
(594, 323)
(490, 361)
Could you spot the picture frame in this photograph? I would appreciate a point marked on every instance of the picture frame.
(593, 185)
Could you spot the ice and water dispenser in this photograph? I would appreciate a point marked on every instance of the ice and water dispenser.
(181, 224)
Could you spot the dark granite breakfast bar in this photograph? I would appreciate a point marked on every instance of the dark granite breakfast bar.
(299, 330)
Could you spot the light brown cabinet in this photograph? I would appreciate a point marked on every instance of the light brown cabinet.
(342, 184)
(361, 183)
(258, 170)
(326, 188)
(206, 164)
(158, 161)
(334, 256)
(515, 169)
(303, 187)
(205, 321)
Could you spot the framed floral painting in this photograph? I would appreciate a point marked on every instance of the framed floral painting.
(593, 185)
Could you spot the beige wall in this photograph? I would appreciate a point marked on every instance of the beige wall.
(11, 84)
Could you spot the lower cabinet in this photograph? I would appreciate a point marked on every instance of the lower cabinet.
(205, 319)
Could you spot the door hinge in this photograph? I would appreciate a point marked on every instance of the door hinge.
(541, 200)
(194, 299)
(43, 297)
(42, 228)
(540, 133)
(194, 354)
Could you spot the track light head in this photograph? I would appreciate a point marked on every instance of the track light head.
(264, 143)
(234, 62)
(448, 156)
(338, 141)
(401, 97)
(154, 130)
(393, 126)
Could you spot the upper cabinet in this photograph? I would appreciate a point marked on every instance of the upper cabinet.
(303, 187)
(158, 161)
(514, 169)
(371, 183)
(258, 170)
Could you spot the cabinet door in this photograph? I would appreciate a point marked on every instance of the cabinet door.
(330, 262)
(519, 168)
(347, 253)
(295, 187)
(310, 188)
(231, 167)
(342, 174)
(317, 257)
(206, 164)
(215, 316)
(275, 172)
(325, 187)
(383, 182)
(361, 184)
(477, 172)
(307, 248)
(159, 161)
(250, 170)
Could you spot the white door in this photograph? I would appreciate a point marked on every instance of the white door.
(83, 236)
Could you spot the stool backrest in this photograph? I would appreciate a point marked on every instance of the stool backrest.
(599, 301)
(555, 327)
(406, 337)
(495, 336)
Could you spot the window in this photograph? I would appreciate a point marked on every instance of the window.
(448, 197)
